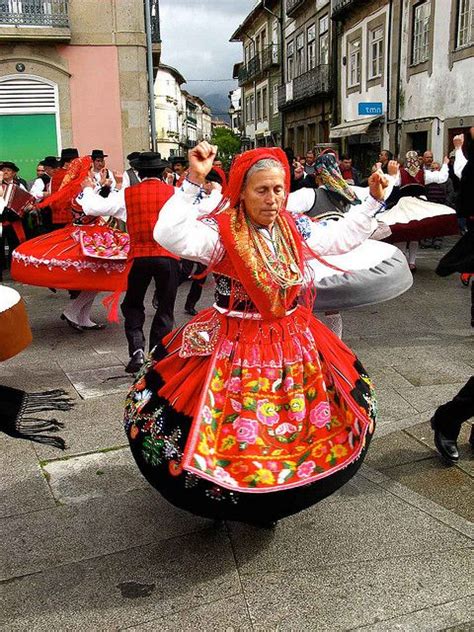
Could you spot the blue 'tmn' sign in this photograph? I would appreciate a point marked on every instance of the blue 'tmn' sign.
(370, 109)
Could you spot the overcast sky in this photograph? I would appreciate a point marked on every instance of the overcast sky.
(195, 40)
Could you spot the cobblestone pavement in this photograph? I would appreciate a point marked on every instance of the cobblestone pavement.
(88, 545)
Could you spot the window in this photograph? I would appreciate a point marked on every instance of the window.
(264, 103)
(275, 99)
(324, 40)
(354, 63)
(421, 32)
(311, 37)
(252, 108)
(248, 112)
(300, 54)
(259, 105)
(376, 52)
(290, 50)
(465, 26)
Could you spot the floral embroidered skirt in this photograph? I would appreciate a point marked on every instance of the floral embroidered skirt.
(250, 420)
(65, 259)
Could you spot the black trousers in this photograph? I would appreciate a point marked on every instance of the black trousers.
(449, 417)
(164, 271)
(196, 288)
(8, 237)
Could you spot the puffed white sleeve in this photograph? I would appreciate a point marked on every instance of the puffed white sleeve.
(301, 201)
(460, 161)
(336, 238)
(437, 177)
(37, 189)
(180, 230)
(94, 204)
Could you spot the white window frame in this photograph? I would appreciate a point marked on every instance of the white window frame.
(275, 99)
(290, 60)
(465, 23)
(300, 65)
(323, 43)
(421, 32)
(376, 52)
(311, 46)
(354, 63)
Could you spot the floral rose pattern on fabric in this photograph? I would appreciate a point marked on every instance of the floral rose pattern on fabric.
(273, 418)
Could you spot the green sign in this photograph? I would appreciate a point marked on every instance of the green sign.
(25, 139)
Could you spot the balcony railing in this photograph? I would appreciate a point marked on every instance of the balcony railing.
(292, 6)
(340, 7)
(314, 83)
(258, 64)
(155, 22)
(52, 13)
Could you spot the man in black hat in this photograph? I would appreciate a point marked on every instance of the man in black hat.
(61, 213)
(130, 176)
(179, 165)
(102, 175)
(40, 187)
(139, 206)
(10, 174)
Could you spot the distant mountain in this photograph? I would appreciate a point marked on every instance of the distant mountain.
(219, 104)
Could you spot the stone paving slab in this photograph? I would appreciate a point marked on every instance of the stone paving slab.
(398, 448)
(457, 616)
(23, 488)
(67, 534)
(92, 383)
(92, 425)
(346, 596)
(229, 615)
(98, 475)
(126, 588)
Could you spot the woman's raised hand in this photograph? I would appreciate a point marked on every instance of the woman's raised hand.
(377, 185)
(201, 158)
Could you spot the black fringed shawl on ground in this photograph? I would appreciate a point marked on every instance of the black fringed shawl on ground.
(19, 414)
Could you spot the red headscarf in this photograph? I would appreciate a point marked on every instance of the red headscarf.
(243, 162)
(71, 184)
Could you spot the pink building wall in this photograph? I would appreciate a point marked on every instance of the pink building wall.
(95, 101)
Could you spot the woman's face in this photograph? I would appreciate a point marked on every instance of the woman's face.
(264, 196)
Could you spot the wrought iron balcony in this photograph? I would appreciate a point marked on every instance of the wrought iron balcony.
(36, 13)
(293, 6)
(258, 64)
(341, 7)
(310, 85)
(155, 22)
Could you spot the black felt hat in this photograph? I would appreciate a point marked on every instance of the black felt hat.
(68, 154)
(149, 160)
(180, 159)
(9, 165)
(132, 158)
(50, 161)
(98, 153)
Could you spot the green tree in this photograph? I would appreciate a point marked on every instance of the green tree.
(228, 144)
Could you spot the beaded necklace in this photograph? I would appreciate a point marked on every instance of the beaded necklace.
(284, 269)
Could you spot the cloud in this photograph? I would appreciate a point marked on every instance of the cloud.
(195, 40)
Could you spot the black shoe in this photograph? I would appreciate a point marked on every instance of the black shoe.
(136, 362)
(72, 324)
(190, 310)
(94, 326)
(448, 448)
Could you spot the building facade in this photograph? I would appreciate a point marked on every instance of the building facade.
(306, 96)
(235, 110)
(259, 75)
(405, 68)
(170, 111)
(73, 73)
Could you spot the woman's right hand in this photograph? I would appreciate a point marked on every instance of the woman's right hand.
(201, 159)
(378, 183)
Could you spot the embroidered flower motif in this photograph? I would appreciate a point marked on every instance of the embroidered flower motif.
(224, 477)
(319, 450)
(297, 407)
(284, 429)
(288, 383)
(226, 349)
(337, 451)
(234, 385)
(175, 468)
(320, 415)
(266, 413)
(246, 430)
(306, 469)
(265, 476)
(206, 415)
(217, 384)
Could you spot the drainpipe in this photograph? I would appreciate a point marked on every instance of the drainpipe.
(389, 59)
(397, 110)
(151, 87)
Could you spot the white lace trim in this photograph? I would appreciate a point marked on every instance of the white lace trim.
(67, 264)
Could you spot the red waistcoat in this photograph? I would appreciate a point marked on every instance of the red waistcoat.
(60, 213)
(144, 202)
(406, 178)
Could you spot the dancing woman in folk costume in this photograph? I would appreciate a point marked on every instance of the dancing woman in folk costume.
(86, 255)
(257, 411)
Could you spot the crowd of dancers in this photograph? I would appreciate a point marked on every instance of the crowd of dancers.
(254, 409)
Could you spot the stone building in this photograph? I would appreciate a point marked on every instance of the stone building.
(170, 111)
(259, 75)
(305, 98)
(405, 75)
(74, 73)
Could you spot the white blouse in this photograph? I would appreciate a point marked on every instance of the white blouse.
(182, 229)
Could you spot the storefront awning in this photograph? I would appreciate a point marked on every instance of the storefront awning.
(351, 128)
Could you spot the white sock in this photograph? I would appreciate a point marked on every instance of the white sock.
(412, 251)
(78, 310)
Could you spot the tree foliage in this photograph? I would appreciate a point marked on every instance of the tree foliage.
(228, 144)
